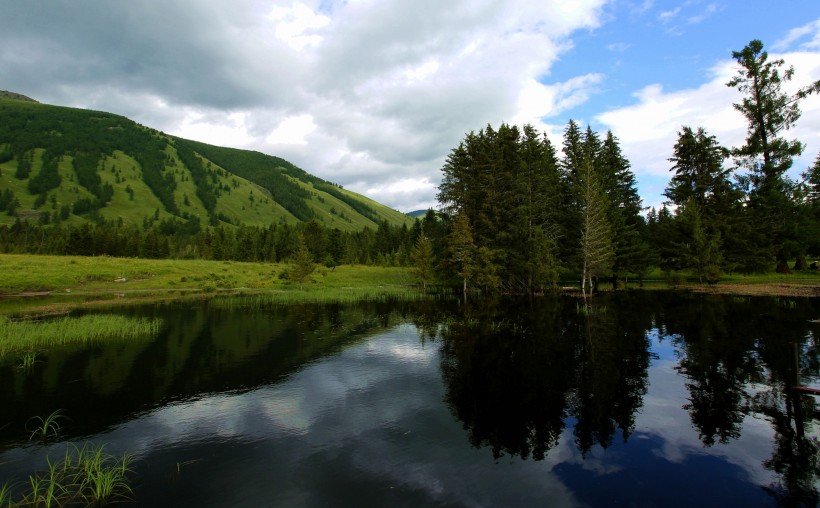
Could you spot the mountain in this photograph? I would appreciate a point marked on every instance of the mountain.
(79, 165)
(16, 96)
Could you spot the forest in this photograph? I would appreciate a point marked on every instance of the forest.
(517, 213)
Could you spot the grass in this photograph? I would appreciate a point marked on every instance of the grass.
(27, 361)
(45, 427)
(86, 476)
(28, 335)
(58, 283)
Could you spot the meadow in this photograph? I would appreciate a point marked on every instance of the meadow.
(58, 283)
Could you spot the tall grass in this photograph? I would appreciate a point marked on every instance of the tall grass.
(5, 495)
(86, 476)
(18, 336)
(45, 427)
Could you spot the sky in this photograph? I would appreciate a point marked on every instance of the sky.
(373, 94)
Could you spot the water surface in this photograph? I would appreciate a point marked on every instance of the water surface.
(636, 399)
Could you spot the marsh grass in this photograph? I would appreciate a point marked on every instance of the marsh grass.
(86, 476)
(27, 362)
(5, 495)
(101, 478)
(29, 335)
(45, 427)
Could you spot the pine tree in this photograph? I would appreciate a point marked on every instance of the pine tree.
(766, 154)
(700, 249)
(618, 182)
(699, 177)
(596, 232)
(461, 248)
(302, 265)
(423, 259)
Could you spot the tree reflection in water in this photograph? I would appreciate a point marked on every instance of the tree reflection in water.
(519, 372)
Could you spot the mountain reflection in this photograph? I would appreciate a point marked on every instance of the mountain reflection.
(517, 373)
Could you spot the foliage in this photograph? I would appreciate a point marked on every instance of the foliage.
(85, 476)
(767, 154)
(423, 259)
(596, 231)
(525, 207)
(303, 264)
(461, 249)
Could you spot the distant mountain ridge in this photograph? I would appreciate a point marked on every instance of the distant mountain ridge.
(15, 96)
(68, 164)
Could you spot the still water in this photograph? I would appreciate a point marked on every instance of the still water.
(636, 399)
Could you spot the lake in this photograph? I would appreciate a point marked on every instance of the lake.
(631, 399)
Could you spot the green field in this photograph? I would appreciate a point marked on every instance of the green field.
(62, 282)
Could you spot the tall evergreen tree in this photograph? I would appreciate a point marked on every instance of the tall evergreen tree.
(423, 259)
(618, 181)
(302, 265)
(767, 154)
(596, 231)
(700, 177)
(461, 248)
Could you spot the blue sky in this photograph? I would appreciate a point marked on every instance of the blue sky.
(373, 94)
(671, 43)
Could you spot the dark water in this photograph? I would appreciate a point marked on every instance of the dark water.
(639, 399)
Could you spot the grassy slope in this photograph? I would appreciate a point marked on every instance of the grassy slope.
(246, 203)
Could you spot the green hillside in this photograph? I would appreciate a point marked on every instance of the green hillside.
(73, 165)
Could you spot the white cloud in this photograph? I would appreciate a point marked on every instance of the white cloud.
(667, 16)
(298, 25)
(648, 129)
(293, 130)
(703, 15)
(812, 29)
(618, 47)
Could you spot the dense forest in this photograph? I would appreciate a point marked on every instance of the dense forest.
(517, 213)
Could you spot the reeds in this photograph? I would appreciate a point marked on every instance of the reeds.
(85, 476)
(45, 427)
(28, 335)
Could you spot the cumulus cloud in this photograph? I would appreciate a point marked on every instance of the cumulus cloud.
(367, 94)
(648, 128)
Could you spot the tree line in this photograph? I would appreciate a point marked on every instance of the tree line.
(387, 245)
(515, 213)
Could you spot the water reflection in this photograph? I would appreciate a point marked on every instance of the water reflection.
(518, 372)
(206, 347)
(641, 398)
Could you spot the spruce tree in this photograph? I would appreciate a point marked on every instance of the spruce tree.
(618, 182)
(596, 231)
(461, 248)
(767, 155)
(302, 265)
(423, 259)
